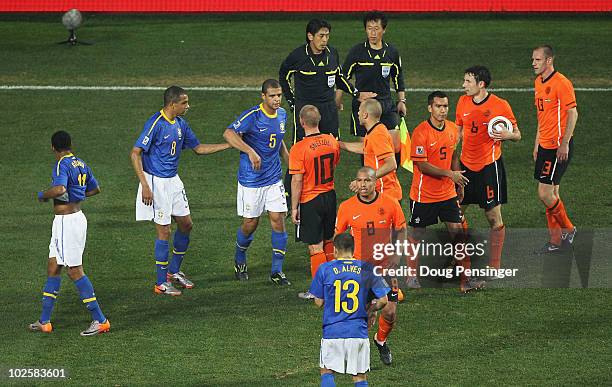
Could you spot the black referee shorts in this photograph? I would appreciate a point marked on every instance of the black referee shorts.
(317, 219)
(487, 187)
(547, 169)
(328, 123)
(389, 116)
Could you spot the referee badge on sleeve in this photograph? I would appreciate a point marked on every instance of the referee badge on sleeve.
(420, 150)
(385, 70)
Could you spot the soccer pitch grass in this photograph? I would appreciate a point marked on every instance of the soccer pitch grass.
(222, 332)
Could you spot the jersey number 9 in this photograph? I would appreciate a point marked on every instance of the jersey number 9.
(351, 295)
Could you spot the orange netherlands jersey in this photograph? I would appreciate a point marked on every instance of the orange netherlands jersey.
(315, 157)
(478, 148)
(436, 146)
(370, 222)
(553, 98)
(378, 145)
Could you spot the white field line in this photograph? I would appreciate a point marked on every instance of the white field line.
(250, 88)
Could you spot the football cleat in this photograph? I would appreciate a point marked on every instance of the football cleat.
(180, 279)
(569, 236)
(306, 295)
(280, 279)
(167, 288)
(470, 284)
(96, 328)
(40, 327)
(384, 352)
(548, 248)
(413, 283)
(241, 272)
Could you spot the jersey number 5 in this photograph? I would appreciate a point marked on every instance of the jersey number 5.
(272, 143)
(351, 295)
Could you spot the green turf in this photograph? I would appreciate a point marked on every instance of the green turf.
(226, 333)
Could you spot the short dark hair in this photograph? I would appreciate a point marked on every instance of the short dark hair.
(344, 243)
(314, 25)
(269, 84)
(61, 141)
(310, 115)
(547, 49)
(373, 16)
(480, 73)
(435, 94)
(173, 94)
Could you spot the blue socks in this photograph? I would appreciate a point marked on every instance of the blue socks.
(327, 380)
(242, 244)
(181, 242)
(363, 383)
(161, 260)
(86, 291)
(50, 292)
(279, 246)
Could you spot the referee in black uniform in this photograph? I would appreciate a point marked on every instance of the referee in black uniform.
(315, 68)
(375, 64)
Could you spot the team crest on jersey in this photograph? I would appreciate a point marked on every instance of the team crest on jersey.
(547, 90)
(385, 70)
(282, 126)
(486, 113)
(331, 80)
(180, 133)
(420, 150)
(381, 211)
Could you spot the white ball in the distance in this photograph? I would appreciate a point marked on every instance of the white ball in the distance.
(72, 19)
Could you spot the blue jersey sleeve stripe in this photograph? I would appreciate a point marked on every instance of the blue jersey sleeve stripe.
(153, 126)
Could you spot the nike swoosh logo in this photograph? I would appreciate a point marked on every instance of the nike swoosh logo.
(543, 176)
(263, 130)
(356, 216)
(433, 143)
(466, 114)
(489, 201)
(165, 137)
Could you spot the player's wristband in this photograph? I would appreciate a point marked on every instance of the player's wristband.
(40, 195)
(402, 100)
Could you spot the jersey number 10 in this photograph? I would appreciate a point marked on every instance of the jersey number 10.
(351, 295)
(324, 175)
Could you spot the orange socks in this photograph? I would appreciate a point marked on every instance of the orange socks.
(316, 260)
(496, 236)
(384, 328)
(557, 211)
(328, 248)
(553, 228)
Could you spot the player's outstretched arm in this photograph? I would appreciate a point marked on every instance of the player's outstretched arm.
(52, 193)
(353, 147)
(207, 149)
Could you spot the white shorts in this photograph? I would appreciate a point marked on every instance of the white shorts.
(169, 199)
(345, 356)
(68, 236)
(252, 202)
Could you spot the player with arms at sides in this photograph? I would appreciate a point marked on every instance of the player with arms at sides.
(72, 182)
(373, 218)
(378, 150)
(312, 162)
(161, 194)
(481, 154)
(375, 64)
(343, 288)
(432, 194)
(258, 134)
(554, 145)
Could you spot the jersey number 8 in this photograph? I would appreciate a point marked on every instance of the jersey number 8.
(352, 295)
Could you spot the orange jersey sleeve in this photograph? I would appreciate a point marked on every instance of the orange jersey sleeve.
(436, 147)
(478, 148)
(377, 147)
(553, 98)
(316, 158)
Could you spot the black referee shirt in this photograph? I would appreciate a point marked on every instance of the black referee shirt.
(314, 76)
(373, 69)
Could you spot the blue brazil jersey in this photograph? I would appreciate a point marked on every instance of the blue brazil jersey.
(162, 141)
(344, 284)
(264, 133)
(75, 175)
